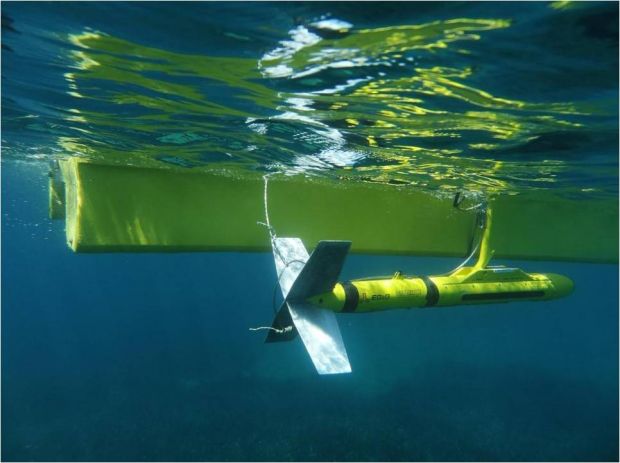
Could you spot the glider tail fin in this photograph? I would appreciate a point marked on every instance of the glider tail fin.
(301, 277)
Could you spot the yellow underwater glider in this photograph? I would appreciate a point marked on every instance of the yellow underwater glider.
(313, 295)
(120, 208)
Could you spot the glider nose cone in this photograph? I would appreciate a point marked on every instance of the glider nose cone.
(563, 285)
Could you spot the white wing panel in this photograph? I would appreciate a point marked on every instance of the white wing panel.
(290, 256)
(319, 331)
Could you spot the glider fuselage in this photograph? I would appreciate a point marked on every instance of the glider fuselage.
(465, 286)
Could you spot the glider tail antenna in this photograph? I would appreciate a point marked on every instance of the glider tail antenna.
(481, 234)
(485, 242)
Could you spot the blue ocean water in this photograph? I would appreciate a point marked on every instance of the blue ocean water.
(149, 357)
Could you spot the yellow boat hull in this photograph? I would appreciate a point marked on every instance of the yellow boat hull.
(116, 208)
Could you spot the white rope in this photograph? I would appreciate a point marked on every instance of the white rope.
(267, 222)
(286, 329)
(466, 261)
(272, 236)
(471, 208)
